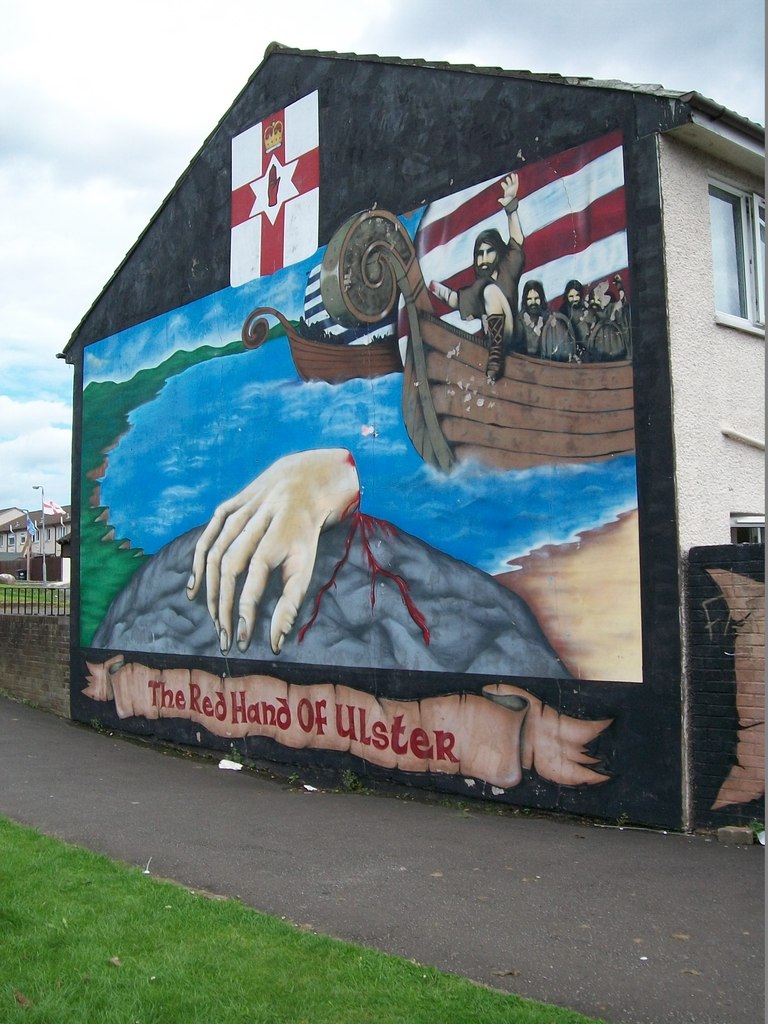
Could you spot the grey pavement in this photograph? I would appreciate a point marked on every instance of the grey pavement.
(627, 925)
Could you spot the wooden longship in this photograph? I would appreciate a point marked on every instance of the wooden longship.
(537, 412)
(322, 360)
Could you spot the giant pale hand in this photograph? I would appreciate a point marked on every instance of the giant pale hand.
(275, 522)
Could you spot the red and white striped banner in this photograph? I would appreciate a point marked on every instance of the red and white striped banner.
(275, 191)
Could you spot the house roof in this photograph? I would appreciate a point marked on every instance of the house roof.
(711, 126)
(19, 522)
(694, 99)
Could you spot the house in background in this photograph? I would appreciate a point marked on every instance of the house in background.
(420, 434)
(712, 190)
(711, 173)
(7, 514)
(21, 551)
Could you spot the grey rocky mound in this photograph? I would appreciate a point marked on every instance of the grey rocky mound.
(383, 599)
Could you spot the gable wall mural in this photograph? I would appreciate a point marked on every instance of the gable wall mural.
(376, 499)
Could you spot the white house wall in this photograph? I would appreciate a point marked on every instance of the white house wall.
(717, 371)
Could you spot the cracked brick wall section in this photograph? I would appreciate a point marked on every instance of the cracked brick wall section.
(34, 660)
(725, 593)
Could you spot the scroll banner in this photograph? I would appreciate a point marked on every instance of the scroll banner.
(491, 736)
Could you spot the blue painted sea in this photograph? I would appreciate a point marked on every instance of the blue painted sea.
(215, 427)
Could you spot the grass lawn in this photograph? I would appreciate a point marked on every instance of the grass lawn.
(84, 940)
(14, 597)
(17, 592)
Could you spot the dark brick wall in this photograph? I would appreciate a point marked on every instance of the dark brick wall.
(34, 660)
(725, 593)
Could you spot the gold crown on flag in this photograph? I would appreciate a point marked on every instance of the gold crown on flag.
(273, 136)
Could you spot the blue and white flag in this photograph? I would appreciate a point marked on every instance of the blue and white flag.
(317, 316)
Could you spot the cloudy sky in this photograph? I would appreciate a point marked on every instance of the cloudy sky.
(102, 107)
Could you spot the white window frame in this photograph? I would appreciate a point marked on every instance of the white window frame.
(752, 525)
(751, 259)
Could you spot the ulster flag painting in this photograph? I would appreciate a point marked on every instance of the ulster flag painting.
(275, 191)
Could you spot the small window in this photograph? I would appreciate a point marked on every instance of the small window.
(738, 254)
(747, 529)
(12, 542)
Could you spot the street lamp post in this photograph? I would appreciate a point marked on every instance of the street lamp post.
(39, 487)
(28, 546)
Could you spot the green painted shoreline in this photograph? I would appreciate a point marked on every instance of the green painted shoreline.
(107, 562)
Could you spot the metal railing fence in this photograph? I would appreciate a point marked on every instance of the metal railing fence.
(20, 600)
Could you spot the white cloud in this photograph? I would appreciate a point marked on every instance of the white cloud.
(21, 417)
(40, 456)
(35, 448)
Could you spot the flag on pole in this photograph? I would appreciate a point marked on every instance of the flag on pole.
(31, 528)
(275, 191)
(52, 509)
(572, 210)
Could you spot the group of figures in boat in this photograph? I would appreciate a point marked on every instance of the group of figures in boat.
(591, 325)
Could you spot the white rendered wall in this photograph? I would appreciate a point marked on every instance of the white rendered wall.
(718, 372)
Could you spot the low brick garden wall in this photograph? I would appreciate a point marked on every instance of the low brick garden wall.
(34, 660)
(725, 592)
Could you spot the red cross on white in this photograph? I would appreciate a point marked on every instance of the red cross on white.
(275, 191)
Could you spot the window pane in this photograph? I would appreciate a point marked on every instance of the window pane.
(760, 259)
(748, 535)
(727, 252)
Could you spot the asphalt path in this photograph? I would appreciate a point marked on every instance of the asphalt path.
(627, 925)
